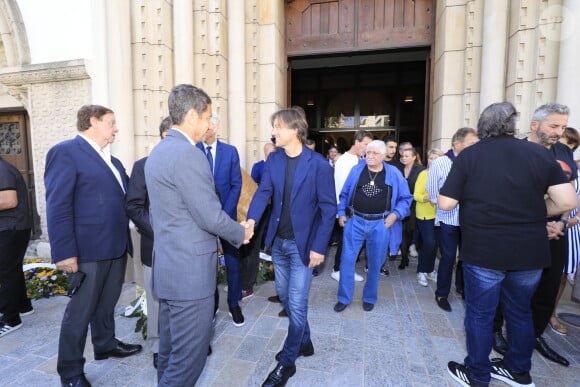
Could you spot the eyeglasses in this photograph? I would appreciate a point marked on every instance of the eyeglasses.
(373, 153)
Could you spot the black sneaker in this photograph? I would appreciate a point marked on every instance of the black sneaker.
(6, 328)
(237, 316)
(500, 372)
(385, 272)
(460, 373)
(26, 311)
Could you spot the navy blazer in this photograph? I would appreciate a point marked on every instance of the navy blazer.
(227, 176)
(85, 205)
(313, 200)
(137, 207)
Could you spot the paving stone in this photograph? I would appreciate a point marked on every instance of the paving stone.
(405, 341)
(236, 372)
(251, 348)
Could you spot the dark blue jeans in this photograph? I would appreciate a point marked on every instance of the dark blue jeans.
(484, 289)
(293, 286)
(450, 239)
(428, 247)
(233, 275)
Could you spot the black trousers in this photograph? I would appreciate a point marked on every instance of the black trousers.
(544, 299)
(94, 304)
(339, 234)
(250, 253)
(13, 299)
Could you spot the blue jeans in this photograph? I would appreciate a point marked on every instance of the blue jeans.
(484, 289)
(428, 247)
(292, 285)
(356, 231)
(450, 238)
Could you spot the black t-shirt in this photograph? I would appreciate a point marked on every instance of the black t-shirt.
(285, 229)
(500, 184)
(369, 197)
(14, 218)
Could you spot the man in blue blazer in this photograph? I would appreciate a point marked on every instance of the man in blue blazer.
(300, 184)
(224, 162)
(89, 233)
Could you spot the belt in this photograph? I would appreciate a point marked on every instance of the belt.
(371, 216)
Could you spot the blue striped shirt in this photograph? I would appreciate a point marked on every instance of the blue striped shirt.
(438, 172)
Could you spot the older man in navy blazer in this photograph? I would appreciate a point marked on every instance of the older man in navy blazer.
(224, 162)
(89, 233)
(300, 184)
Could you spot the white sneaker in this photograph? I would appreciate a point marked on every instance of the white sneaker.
(432, 276)
(358, 277)
(413, 251)
(422, 279)
(335, 275)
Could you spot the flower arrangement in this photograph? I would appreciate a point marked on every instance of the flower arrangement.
(44, 282)
(265, 272)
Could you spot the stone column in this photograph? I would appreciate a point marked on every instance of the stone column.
(119, 67)
(183, 41)
(237, 78)
(493, 57)
(568, 78)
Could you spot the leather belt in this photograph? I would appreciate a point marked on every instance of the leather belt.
(371, 216)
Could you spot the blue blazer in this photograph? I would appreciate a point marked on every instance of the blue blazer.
(401, 198)
(312, 203)
(85, 205)
(227, 176)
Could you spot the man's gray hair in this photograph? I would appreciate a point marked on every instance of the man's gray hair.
(550, 108)
(497, 120)
(380, 145)
(183, 98)
(461, 133)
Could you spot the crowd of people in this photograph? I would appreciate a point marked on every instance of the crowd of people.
(377, 197)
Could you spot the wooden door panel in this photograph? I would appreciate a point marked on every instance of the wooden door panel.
(13, 144)
(321, 26)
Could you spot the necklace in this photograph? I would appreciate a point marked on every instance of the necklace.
(372, 177)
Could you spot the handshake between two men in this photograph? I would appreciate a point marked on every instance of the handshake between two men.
(248, 229)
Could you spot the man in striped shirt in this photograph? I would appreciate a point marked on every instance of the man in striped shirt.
(447, 221)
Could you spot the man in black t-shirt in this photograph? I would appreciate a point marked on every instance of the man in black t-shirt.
(15, 224)
(500, 184)
(300, 185)
(548, 124)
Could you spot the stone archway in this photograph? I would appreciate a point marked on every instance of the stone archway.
(15, 49)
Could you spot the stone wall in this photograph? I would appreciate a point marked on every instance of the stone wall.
(493, 50)
(51, 93)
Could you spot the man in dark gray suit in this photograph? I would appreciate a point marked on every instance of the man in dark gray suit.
(186, 216)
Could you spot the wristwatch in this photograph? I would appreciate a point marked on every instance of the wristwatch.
(565, 221)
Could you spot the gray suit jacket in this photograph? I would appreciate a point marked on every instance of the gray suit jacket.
(186, 216)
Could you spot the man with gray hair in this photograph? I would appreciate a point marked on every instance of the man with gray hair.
(448, 221)
(495, 223)
(548, 124)
(374, 200)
